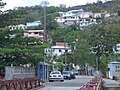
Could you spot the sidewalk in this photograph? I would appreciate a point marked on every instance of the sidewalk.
(111, 83)
(59, 88)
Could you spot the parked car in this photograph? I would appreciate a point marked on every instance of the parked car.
(76, 72)
(56, 76)
(67, 75)
(73, 75)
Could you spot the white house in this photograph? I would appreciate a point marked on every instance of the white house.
(69, 17)
(58, 50)
(116, 49)
(75, 17)
(99, 15)
(85, 22)
(16, 27)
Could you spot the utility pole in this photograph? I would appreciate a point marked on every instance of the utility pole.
(44, 5)
(74, 50)
(65, 55)
(45, 23)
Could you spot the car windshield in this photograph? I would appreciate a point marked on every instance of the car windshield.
(72, 72)
(65, 72)
(55, 72)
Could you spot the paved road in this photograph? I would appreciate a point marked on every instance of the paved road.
(67, 84)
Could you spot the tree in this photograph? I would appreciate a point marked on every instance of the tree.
(102, 38)
(59, 65)
(12, 17)
(95, 9)
(14, 49)
(116, 6)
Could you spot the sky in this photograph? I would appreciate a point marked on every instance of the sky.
(21, 3)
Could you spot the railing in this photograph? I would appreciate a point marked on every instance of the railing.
(94, 84)
(20, 84)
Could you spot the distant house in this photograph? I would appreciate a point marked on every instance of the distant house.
(80, 17)
(116, 49)
(17, 27)
(32, 24)
(86, 22)
(114, 69)
(58, 50)
(35, 33)
(99, 15)
(72, 17)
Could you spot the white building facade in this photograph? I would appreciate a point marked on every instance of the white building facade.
(80, 17)
(17, 27)
(58, 50)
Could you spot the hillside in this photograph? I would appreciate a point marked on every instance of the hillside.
(106, 6)
(36, 12)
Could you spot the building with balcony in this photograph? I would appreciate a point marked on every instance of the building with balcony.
(36, 33)
(72, 17)
(58, 50)
(81, 18)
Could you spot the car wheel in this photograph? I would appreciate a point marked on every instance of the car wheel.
(62, 80)
(50, 80)
(69, 78)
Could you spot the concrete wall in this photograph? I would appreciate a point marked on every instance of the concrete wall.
(19, 72)
(112, 88)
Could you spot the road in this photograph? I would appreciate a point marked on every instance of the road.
(67, 84)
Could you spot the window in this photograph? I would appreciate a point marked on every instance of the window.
(59, 50)
(36, 32)
(66, 50)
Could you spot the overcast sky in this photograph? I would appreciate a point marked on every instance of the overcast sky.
(16, 3)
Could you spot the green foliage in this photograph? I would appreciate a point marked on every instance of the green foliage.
(53, 9)
(64, 35)
(95, 9)
(12, 17)
(59, 65)
(14, 49)
(102, 38)
(116, 6)
(94, 43)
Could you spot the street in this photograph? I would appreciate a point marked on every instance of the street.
(67, 84)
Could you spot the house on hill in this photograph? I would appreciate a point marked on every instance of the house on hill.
(36, 34)
(58, 49)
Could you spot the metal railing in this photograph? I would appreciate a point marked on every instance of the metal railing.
(20, 84)
(94, 84)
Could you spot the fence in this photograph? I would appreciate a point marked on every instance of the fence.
(94, 84)
(20, 84)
